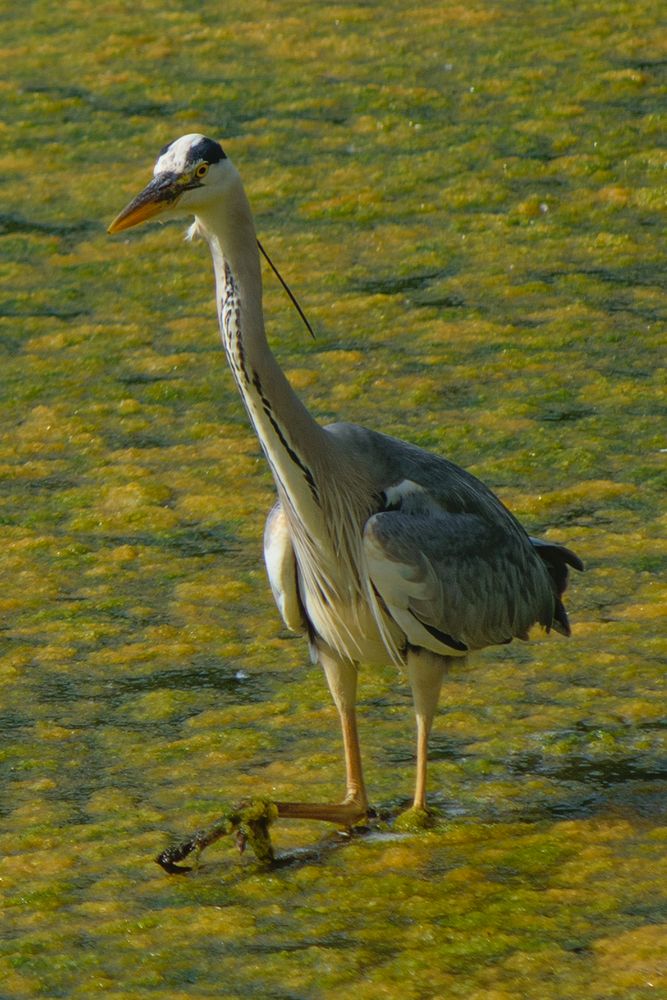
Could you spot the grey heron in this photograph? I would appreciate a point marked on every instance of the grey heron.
(376, 549)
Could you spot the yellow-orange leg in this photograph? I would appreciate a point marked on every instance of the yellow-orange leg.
(342, 680)
(425, 672)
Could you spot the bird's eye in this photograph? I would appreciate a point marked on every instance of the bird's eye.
(201, 170)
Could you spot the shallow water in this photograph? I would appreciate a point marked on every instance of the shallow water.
(469, 203)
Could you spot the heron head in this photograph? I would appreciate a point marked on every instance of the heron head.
(188, 172)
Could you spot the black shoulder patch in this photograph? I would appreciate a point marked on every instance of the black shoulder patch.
(443, 637)
(207, 150)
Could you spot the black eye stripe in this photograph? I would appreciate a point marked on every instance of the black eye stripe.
(206, 150)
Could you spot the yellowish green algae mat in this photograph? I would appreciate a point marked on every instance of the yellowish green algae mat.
(469, 201)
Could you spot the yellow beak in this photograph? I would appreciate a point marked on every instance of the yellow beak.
(157, 196)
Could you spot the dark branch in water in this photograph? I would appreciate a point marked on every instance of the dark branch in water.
(250, 823)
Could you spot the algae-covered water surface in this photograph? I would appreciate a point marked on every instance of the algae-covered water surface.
(468, 200)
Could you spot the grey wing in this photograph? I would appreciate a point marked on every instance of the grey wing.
(454, 581)
(447, 560)
(281, 568)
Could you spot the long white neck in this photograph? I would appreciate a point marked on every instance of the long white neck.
(293, 442)
(313, 479)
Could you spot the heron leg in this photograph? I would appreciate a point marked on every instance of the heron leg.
(342, 680)
(425, 672)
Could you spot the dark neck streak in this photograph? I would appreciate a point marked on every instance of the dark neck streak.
(325, 497)
(256, 398)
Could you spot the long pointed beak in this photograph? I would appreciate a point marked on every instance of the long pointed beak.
(157, 196)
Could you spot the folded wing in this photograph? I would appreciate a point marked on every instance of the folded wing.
(455, 581)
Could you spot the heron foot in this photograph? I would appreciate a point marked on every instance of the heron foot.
(345, 814)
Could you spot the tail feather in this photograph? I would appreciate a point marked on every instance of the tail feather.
(560, 620)
(557, 558)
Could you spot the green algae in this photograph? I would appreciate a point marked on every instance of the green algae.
(468, 203)
(414, 820)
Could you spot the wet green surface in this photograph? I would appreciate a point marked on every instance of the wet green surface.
(470, 204)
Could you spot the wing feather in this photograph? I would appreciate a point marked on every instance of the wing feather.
(281, 569)
(453, 581)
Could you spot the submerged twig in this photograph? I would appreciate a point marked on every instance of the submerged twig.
(250, 823)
